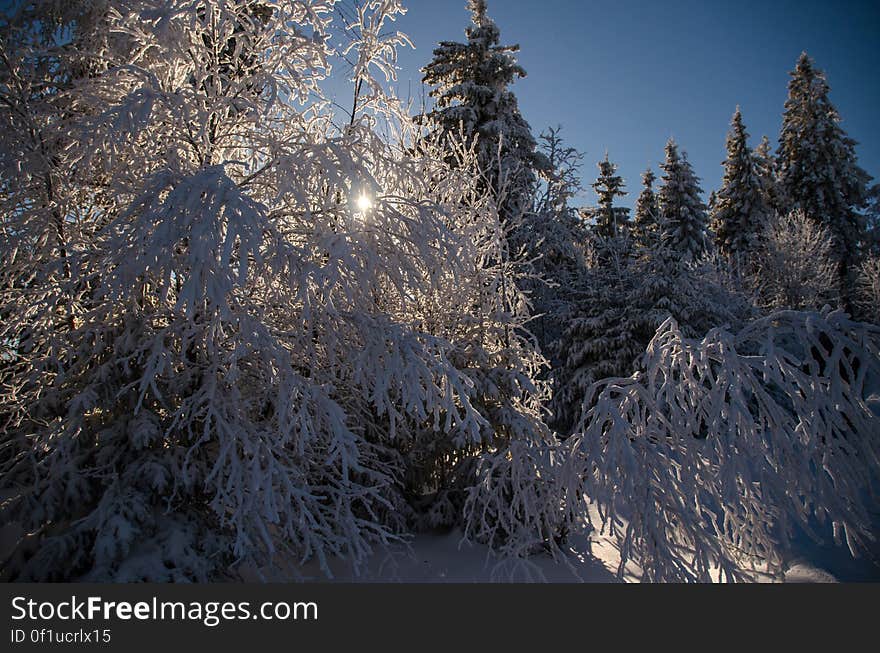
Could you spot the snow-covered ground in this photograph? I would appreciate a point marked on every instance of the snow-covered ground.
(594, 558)
(444, 558)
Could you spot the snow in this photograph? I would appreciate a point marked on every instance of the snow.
(593, 557)
(444, 558)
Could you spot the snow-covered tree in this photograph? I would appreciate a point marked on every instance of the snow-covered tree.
(738, 214)
(610, 220)
(370, 55)
(627, 293)
(645, 219)
(794, 267)
(553, 238)
(868, 289)
(683, 219)
(765, 165)
(818, 168)
(703, 463)
(562, 180)
(472, 94)
(258, 334)
(552, 233)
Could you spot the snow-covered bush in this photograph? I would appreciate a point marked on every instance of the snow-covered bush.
(794, 267)
(258, 333)
(705, 460)
(517, 505)
(481, 312)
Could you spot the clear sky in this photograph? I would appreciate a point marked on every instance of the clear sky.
(624, 75)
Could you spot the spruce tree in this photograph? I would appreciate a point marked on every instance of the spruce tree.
(682, 212)
(471, 86)
(765, 165)
(646, 214)
(738, 212)
(818, 168)
(608, 185)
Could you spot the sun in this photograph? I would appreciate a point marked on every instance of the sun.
(364, 203)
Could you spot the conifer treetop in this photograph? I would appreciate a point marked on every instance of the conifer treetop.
(682, 212)
(471, 83)
(739, 212)
(608, 186)
(646, 212)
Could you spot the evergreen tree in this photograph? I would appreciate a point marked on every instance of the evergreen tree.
(646, 214)
(609, 219)
(602, 337)
(765, 165)
(738, 212)
(818, 169)
(682, 212)
(472, 94)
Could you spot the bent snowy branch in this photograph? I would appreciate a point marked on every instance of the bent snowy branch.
(709, 457)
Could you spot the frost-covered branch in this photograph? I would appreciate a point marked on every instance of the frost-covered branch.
(707, 459)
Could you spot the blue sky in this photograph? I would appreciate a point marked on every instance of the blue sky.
(625, 76)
